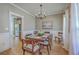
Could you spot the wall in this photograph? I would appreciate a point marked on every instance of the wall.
(28, 24)
(3, 18)
(29, 21)
(57, 23)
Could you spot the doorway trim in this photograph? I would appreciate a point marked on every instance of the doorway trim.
(10, 24)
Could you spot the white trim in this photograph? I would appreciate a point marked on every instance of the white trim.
(21, 9)
(16, 14)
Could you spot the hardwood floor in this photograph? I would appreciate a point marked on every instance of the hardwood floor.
(56, 50)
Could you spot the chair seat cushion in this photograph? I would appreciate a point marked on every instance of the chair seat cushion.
(44, 43)
(36, 48)
(29, 46)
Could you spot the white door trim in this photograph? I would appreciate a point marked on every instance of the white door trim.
(10, 24)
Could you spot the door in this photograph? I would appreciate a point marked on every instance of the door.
(15, 29)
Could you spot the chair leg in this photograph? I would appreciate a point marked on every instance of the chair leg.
(40, 53)
(50, 44)
(58, 40)
(50, 47)
(48, 50)
(55, 39)
(23, 52)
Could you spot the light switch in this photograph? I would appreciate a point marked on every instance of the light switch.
(6, 29)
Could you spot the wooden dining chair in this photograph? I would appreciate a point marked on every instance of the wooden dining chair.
(59, 37)
(49, 37)
(46, 42)
(31, 46)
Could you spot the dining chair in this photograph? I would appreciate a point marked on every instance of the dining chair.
(35, 32)
(46, 42)
(59, 37)
(50, 38)
(31, 46)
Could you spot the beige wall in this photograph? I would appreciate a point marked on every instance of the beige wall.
(57, 22)
(3, 17)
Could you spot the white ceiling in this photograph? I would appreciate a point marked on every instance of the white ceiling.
(48, 8)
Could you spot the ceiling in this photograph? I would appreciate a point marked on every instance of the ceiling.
(48, 8)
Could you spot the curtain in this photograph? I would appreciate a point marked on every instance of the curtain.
(77, 27)
(74, 36)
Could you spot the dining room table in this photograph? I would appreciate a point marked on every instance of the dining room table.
(35, 39)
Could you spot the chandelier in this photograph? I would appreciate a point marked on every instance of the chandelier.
(41, 14)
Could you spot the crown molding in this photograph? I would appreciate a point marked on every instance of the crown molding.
(21, 9)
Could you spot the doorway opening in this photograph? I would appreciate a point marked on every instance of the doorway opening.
(15, 29)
